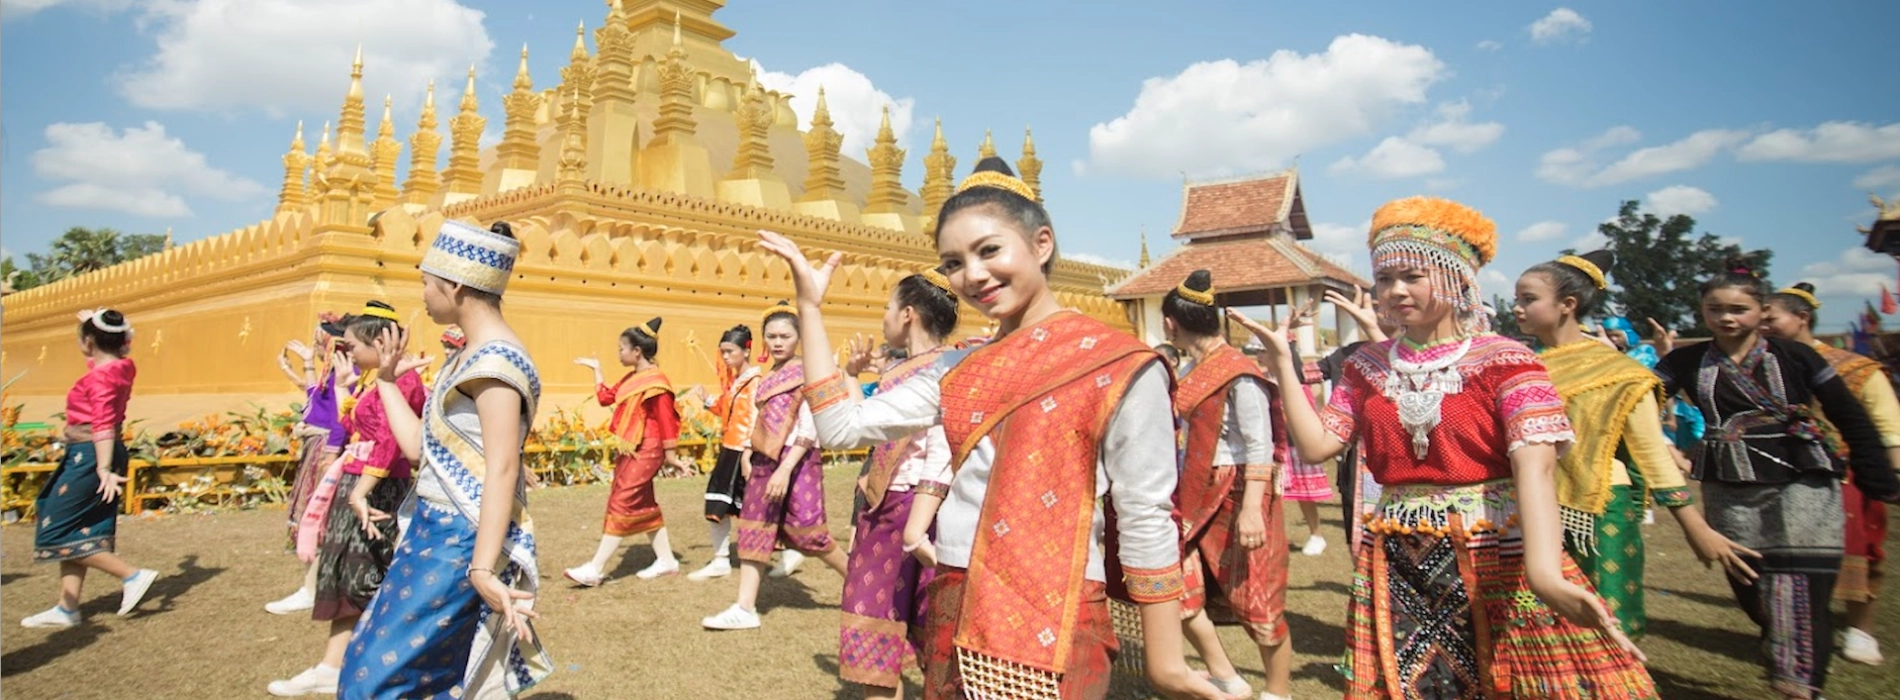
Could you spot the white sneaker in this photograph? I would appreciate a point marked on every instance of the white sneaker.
(1315, 546)
(303, 599)
(316, 679)
(586, 575)
(1264, 695)
(53, 617)
(135, 589)
(657, 569)
(733, 618)
(718, 568)
(787, 565)
(1861, 647)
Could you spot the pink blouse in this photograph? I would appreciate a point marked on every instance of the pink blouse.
(98, 399)
(373, 449)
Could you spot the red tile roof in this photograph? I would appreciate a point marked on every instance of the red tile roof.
(1238, 265)
(1240, 206)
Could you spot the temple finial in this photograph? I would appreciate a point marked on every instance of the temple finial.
(522, 79)
(580, 44)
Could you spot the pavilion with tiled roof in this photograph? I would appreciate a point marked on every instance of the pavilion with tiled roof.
(1247, 232)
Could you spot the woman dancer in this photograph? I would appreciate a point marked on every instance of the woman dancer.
(1771, 471)
(785, 491)
(77, 509)
(358, 533)
(1621, 459)
(320, 435)
(647, 428)
(1232, 518)
(1054, 413)
(725, 489)
(1791, 315)
(453, 619)
(1359, 492)
(1462, 588)
(905, 483)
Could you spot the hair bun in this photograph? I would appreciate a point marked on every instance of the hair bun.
(1199, 280)
(373, 303)
(1803, 286)
(1603, 259)
(503, 228)
(993, 164)
(1740, 265)
(655, 323)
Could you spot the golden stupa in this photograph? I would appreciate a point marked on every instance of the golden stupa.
(635, 184)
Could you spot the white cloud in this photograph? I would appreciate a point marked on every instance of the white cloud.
(15, 9)
(1454, 129)
(1831, 142)
(1578, 166)
(283, 56)
(140, 171)
(1543, 231)
(1092, 258)
(1413, 155)
(1344, 245)
(1225, 116)
(1679, 199)
(1393, 158)
(1489, 45)
(1590, 241)
(1886, 176)
(1561, 25)
(855, 104)
(1846, 280)
(1491, 281)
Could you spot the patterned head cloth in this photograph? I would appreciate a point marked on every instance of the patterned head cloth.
(472, 257)
(453, 338)
(1448, 239)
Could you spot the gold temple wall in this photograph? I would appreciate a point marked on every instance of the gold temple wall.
(212, 316)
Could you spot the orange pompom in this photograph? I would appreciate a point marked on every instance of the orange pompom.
(1444, 215)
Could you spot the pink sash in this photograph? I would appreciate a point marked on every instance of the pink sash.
(314, 514)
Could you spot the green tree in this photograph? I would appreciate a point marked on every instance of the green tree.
(81, 250)
(17, 278)
(1659, 264)
(1505, 323)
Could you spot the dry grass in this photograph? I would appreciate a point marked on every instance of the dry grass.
(203, 634)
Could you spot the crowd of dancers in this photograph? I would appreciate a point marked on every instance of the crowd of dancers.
(1029, 520)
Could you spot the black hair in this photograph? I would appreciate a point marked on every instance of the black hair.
(1169, 353)
(1573, 283)
(503, 229)
(638, 339)
(365, 328)
(1797, 305)
(113, 342)
(1027, 213)
(934, 305)
(1195, 318)
(1737, 273)
(738, 335)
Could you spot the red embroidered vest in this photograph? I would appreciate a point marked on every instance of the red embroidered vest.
(1201, 399)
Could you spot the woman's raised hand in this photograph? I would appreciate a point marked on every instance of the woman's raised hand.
(1273, 339)
(809, 281)
(393, 360)
(858, 354)
(590, 362)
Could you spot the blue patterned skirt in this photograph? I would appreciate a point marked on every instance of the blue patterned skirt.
(73, 521)
(416, 639)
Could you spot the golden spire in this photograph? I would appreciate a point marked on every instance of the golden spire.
(319, 165)
(465, 133)
(676, 120)
(579, 54)
(291, 197)
(988, 147)
(823, 180)
(518, 149)
(614, 58)
(384, 152)
(887, 164)
(577, 79)
(1029, 167)
(754, 118)
(1144, 247)
(423, 181)
(939, 173)
(573, 164)
(168, 229)
(352, 158)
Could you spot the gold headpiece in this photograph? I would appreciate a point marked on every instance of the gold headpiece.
(779, 308)
(1194, 295)
(650, 330)
(991, 178)
(1589, 269)
(936, 279)
(1801, 294)
(375, 311)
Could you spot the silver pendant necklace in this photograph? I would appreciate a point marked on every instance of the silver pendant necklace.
(1419, 389)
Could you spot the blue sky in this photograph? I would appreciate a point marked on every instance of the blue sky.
(1770, 125)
